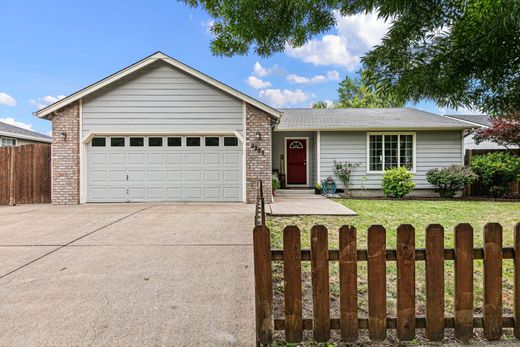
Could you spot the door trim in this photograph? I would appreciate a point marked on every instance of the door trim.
(306, 159)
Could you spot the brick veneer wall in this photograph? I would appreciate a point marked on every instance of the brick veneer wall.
(258, 166)
(65, 155)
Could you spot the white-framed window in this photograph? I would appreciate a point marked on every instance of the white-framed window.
(390, 150)
(6, 142)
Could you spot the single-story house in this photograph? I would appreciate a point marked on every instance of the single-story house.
(11, 135)
(478, 120)
(160, 130)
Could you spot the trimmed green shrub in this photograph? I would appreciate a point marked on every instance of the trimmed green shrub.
(497, 170)
(450, 180)
(397, 182)
(276, 184)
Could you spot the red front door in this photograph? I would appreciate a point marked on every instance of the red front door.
(296, 161)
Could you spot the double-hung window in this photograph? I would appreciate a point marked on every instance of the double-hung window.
(391, 150)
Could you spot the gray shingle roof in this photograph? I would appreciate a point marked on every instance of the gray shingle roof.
(17, 132)
(481, 119)
(365, 119)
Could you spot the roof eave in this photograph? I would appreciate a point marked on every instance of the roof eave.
(47, 111)
(25, 137)
(278, 129)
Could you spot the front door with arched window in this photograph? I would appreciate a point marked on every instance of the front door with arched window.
(296, 150)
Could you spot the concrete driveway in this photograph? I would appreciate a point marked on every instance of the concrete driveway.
(127, 275)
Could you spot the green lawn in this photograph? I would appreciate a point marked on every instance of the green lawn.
(390, 214)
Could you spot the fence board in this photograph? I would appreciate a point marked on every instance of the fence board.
(348, 283)
(320, 283)
(292, 272)
(377, 282)
(463, 281)
(25, 174)
(405, 282)
(492, 281)
(435, 282)
(517, 281)
(263, 284)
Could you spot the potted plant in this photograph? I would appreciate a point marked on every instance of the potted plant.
(317, 188)
(275, 185)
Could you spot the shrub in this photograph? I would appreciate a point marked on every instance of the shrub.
(450, 180)
(343, 172)
(276, 184)
(397, 182)
(497, 170)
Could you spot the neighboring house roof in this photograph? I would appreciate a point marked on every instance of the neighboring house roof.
(366, 119)
(45, 112)
(480, 119)
(9, 130)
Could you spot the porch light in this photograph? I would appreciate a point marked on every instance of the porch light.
(63, 136)
(258, 136)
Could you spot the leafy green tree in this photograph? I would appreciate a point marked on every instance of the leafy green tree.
(357, 93)
(458, 53)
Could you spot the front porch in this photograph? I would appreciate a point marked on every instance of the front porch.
(295, 158)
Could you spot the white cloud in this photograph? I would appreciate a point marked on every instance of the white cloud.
(6, 99)
(45, 101)
(286, 97)
(257, 83)
(207, 25)
(329, 76)
(460, 110)
(12, 121)
(261, 71)
(355, 36)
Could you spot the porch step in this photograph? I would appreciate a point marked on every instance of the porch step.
(304, 191)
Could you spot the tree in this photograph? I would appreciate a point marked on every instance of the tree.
(504, 131)
(458, 53)
(357, 93)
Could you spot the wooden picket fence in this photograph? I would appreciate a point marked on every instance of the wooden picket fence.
(25, 174)
(405, 255)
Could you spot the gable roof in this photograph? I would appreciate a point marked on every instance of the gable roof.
(366, 119)
(45, 112)
(13, 131)
(480, 119)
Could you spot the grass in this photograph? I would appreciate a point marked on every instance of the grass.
(391, 214)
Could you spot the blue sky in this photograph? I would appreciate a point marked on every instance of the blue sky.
(53, 48)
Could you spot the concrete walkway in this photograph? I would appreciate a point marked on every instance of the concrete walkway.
(306, 204)
(127, 275)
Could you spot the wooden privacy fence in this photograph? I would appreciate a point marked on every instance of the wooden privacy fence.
(405, 255)
(25, 174)
(478, 188)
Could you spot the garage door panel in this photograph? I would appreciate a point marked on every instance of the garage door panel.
(117, 158)
(230, 175)
(155, 158)
(193, 158)
(174, 175)
(156, 176)
(212, 176)
(164, 173)
(212, 158)
(136, 175)
(136, 158)
(231, 158)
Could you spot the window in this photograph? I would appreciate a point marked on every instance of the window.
(155, 141)
(8, 142)
(174, 141)
(193, 141)
(212, 141)
(388, 151)
(99, 142)
(230, 141)
(117, 142)
(136, 142)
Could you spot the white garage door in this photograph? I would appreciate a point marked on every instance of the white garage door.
(175, 168)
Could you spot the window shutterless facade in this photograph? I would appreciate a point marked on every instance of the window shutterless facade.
(7, 142)
(390, 150)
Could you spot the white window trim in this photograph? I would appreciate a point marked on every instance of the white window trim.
(414, 142)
